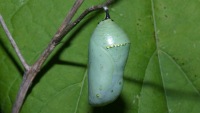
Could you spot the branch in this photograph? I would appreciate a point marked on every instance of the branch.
(87, 11)
(66, 26)
(30, 74)
(13, 43)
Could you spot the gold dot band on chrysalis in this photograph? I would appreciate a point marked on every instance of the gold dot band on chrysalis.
(116, 45)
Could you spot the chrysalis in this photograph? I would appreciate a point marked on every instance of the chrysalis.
(108, 52)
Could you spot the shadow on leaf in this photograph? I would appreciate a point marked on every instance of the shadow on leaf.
(10, 55)
(118, 106)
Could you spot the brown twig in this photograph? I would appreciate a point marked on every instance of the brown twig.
(13, 43)
(30, 74)
(66, 26)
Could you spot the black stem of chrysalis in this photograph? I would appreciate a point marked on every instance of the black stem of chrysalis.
(107, 13)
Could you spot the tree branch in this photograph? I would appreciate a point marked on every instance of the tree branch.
(32, 71)
(13, 43)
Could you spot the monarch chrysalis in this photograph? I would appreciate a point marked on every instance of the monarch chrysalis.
(108, 52)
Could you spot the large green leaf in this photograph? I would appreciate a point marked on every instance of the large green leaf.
(161, 74)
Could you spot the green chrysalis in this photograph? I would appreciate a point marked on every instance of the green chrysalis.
(108, 53)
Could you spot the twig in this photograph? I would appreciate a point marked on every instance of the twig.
(87, 11)
(30, 74)
(32, 71)
(13, 43)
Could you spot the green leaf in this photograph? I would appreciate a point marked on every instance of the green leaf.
(162, 72)
(181, 94)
